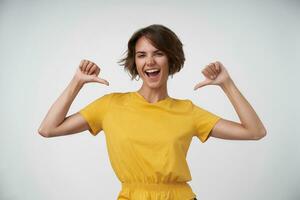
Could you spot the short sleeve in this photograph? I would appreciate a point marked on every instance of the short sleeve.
(94, 113)
(204, 122)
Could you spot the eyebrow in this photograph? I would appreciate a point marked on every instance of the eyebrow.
(145, 52)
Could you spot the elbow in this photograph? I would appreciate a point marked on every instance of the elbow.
(260, 135)
(43, 133)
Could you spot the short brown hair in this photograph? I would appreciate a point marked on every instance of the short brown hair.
(163, 39)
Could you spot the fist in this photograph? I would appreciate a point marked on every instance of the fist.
(88, 72)
(215, 74)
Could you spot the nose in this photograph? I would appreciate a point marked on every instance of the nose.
(150, 61)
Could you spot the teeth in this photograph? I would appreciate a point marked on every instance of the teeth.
(152, 70)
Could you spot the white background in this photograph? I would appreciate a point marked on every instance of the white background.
(42, 43)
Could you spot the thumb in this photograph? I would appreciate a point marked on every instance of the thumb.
(100, 80)
(201, 84)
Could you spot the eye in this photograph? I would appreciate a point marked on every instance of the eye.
(140, 56)
(159, 53)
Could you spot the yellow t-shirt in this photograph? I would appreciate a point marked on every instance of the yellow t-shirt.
(148, 142)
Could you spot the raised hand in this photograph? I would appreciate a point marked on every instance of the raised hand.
(88, 72)
(215, 74)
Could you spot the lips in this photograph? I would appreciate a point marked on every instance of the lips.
(152, 72)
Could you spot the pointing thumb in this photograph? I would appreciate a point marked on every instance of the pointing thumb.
(100, 80)
(201, 84)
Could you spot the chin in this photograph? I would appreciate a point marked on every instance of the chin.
(154, 84)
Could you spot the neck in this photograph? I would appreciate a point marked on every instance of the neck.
(153, 95)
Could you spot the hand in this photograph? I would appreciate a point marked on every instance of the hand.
(88, 72)
(215, 74)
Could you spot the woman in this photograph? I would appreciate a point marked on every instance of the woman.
(147, 132)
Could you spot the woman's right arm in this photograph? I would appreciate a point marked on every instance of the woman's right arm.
(55, 122)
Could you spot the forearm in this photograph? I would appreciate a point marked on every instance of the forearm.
(246, 113)
(60, 108)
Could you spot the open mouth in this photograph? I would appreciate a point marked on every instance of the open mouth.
(152, 73)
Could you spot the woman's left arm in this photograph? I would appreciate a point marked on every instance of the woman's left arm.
(251, 127)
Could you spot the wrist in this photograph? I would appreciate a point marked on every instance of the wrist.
(227, 84)
(77, 82)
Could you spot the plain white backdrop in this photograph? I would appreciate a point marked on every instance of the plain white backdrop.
(42, 43)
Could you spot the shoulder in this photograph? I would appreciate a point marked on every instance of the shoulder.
(186, 102)
(113, 95)
(116, 97)
(188, 105)
(185, 105)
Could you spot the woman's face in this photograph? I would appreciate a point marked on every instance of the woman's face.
(152, 64)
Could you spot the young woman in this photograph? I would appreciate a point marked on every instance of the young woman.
(147, 132)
